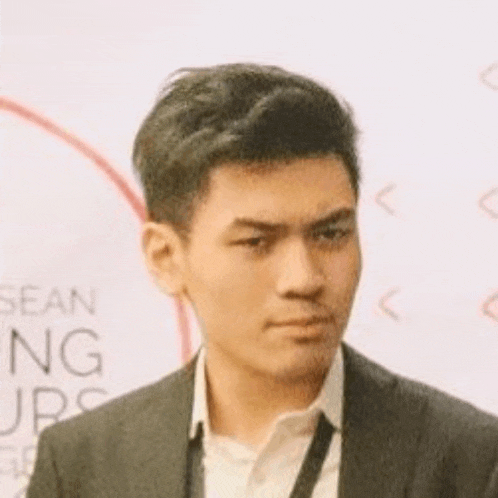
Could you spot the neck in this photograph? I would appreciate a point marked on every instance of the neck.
(243, 404)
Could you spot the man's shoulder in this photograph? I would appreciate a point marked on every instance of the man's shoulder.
(441, 411)
(452, 419)
(129, 410)
(118, 445)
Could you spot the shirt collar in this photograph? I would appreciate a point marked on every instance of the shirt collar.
(329, 400)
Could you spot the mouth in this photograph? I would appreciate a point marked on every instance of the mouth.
(304, 322)
(305, 329)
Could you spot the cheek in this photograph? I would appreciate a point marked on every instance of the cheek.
(222, 289)
(344, 272)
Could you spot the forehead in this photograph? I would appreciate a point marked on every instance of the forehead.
(291, 192)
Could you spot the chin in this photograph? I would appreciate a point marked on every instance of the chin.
(303, 365)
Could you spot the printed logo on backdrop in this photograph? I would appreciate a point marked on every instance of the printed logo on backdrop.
(51, 333)
(490, 307)
(489, 200)
(490, 76)
(383, 200)
(386, 306)
(32, 342)
(489, 203)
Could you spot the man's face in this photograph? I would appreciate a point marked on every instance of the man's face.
(271, 251)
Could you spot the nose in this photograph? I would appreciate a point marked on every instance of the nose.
(299, 273)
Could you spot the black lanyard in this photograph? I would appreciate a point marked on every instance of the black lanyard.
(308, 473)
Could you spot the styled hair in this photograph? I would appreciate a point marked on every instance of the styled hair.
(234, 113)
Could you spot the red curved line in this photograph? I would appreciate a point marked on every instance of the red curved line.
(115, 178)
(81, 147)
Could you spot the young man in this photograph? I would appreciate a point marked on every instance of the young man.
(251, 180)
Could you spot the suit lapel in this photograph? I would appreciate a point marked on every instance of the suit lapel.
(380, 434)
(158, 440)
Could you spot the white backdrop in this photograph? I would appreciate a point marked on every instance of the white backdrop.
(80, 320)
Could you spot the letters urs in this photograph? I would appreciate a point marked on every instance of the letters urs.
(51, 365)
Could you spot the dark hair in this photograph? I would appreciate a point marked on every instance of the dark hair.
(241, 113)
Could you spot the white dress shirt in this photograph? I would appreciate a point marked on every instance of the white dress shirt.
(236, 470)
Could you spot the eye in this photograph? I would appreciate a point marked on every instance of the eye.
(257, 245)
(253, 242)
(333, 234)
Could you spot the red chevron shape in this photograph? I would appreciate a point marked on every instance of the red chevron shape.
(387, 310)
(484, 203)
(490, 76)
(490, 307)
(381, 194)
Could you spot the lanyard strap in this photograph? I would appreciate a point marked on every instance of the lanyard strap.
(313, 461)
(308, 473)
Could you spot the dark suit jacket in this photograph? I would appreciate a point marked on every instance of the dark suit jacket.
(401, 439)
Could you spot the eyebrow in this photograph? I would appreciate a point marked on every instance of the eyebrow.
(342, 214)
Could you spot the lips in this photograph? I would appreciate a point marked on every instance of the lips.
(304, 330)
(303, 322)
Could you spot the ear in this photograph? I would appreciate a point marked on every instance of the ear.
(164, 255)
